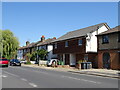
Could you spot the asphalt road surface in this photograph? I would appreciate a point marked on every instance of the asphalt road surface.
(30, 77)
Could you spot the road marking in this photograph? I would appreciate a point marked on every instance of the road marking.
(33, 85)
(4, 76)
(23, 79)
(81, 79)
(94, 76)
(32, 70)
(11, 74)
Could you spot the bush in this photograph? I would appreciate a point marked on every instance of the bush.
(28, 62)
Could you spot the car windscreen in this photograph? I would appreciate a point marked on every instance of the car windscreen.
(16, 60)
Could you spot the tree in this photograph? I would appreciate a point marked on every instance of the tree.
(42, 53)
(34, 56)
(9, 44)
(28, 55)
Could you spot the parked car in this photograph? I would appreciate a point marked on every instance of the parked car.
(52, 62)
(15, 62)
(4, 62)
(23, 61)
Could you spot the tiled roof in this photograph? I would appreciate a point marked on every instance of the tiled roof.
(80, 32)
(38, 43)
(113, 30)
(28, 46)
(48, 41)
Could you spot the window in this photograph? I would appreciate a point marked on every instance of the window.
(80, 42)
(55, 45)
(66, 44)
(119, 37)
(105, 39)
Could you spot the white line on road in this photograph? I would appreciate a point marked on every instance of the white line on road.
(23, 79)
(4, 76)
(33, 85)
(33, 70)
(81, 79)
(11, 74)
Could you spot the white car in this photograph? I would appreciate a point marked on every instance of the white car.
(52, 62)
(23, 61)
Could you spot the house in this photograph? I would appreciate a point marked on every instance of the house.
(31, 47)
(109, 49)
(79, 45)
(22, 51)
(47, 45)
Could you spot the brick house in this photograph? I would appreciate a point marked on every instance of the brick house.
(109, 49)
(79, 45)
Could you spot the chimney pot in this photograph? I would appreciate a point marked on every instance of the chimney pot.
(27, 43)
(54, 37)
(42, 38)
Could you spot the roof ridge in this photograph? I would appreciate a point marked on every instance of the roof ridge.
(86, 27)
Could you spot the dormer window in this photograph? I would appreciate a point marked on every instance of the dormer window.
(79, 42)
(105, 39)
(66, 44)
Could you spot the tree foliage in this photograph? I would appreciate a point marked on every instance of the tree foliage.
(34, 56)
(28, 55)
(42, 53)
(9, 44)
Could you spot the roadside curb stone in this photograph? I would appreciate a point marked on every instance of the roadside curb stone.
(88, 72)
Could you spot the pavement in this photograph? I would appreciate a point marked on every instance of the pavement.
(97, 72)
(31, 76)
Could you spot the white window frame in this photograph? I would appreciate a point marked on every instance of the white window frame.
(66, 43)
(79, 44)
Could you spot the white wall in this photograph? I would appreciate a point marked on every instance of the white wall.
(20, 54)
(91, 45)
(50, 52)
(72, 59)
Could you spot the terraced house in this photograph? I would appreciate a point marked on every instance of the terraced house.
(22, 51)
(109, 49)
(79, 45)
(31, 47)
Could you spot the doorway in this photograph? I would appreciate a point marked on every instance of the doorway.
(106, 60)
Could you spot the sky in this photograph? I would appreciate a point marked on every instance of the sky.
(30, 20)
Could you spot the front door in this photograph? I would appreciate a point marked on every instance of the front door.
(67, 59)
(106, 60)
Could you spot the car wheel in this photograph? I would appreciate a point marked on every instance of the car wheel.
(54, 64)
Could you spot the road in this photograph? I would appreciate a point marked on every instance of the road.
(31, 77)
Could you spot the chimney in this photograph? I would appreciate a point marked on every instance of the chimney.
(27, 43)
(54, 37)
(42, 38)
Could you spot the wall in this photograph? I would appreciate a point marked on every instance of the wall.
(50, 52)
(114, 58)
(20, 54)
(113, 42)
(73, 47)
(91, 44)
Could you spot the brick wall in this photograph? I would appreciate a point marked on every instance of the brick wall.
(73, 47)
(114, 59)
